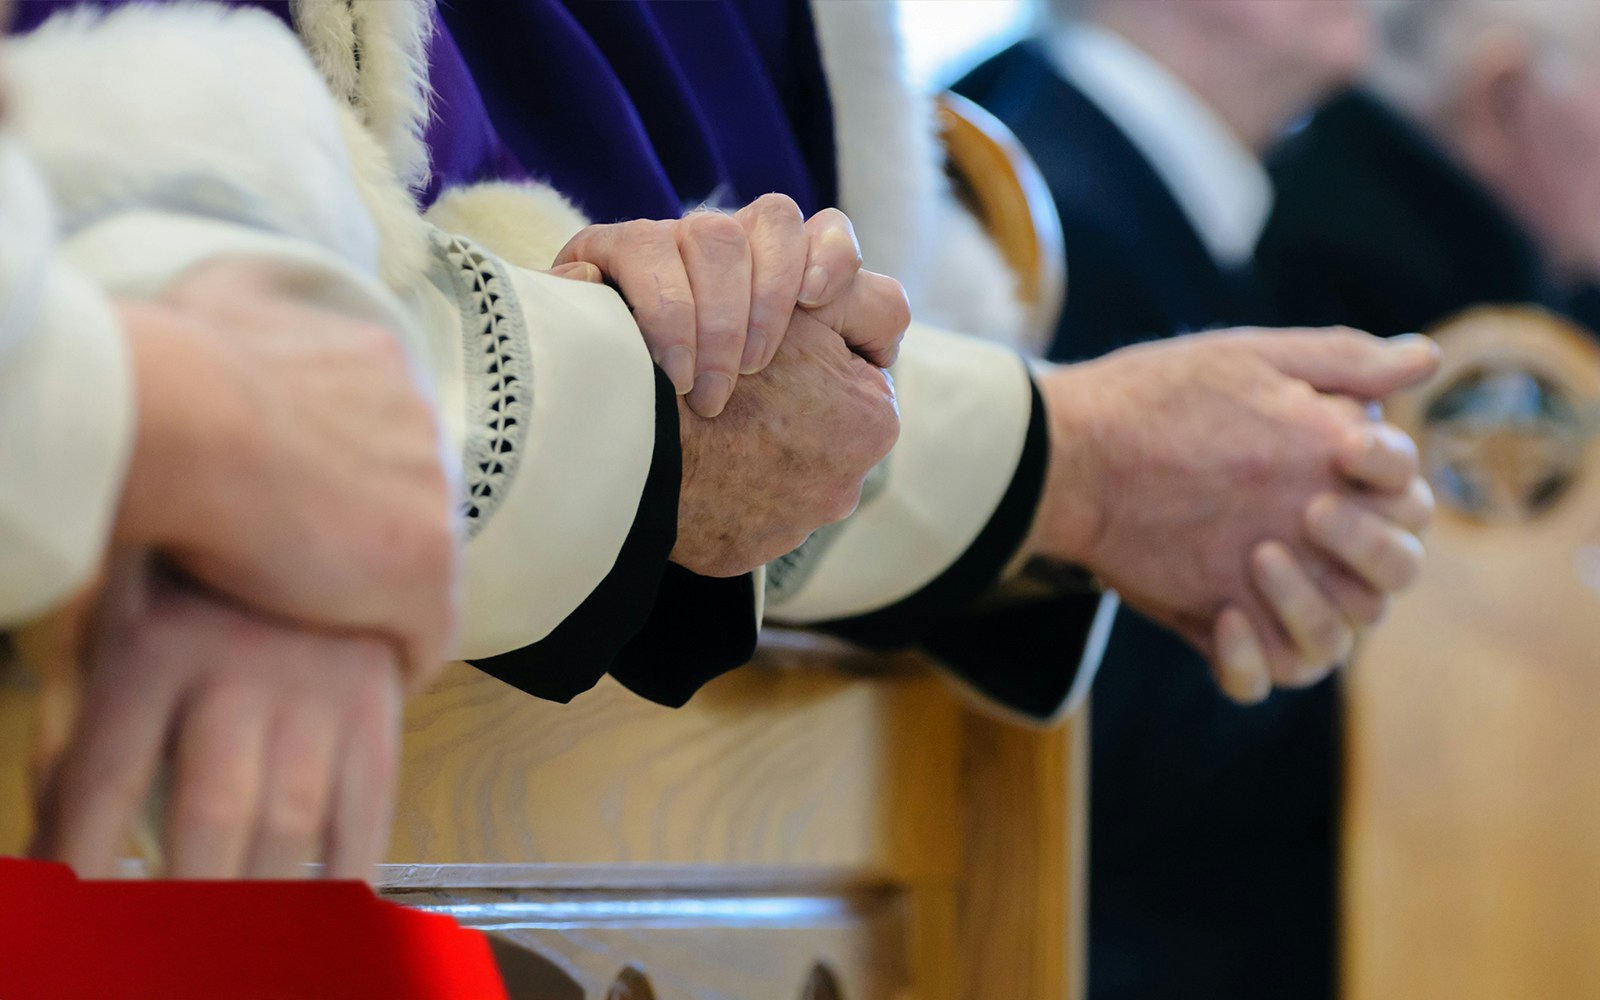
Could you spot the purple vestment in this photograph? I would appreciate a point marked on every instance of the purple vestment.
(632, 109)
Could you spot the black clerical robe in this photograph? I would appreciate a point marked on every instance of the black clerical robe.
(1212, 825)
(1375, 227)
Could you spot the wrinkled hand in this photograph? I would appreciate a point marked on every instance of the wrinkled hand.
(1376, 534)
(279, 746)
(789, 454)
(1176, 463)
(286, 457)
(714, 294)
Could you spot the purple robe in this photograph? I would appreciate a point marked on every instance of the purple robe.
(631, 109)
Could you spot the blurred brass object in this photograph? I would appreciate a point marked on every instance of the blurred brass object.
(1472, 800)
(1507, 423)
(998, 181)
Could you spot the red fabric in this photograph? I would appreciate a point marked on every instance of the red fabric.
(62, 938)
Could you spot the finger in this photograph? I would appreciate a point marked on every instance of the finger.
(777, 235)
(1412, 509)
(1349, 362)
(1360, 603)
(298, 787)
(363, 798)
(716, 255)
(1379, 457)
(87, 810)
(872, 317)
(1241, 665)
(218, 772)
(1314, 623)
(579, 270)
(1376, 550)
(832, 259)
(643, 261)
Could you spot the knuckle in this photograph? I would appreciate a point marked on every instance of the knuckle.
(898, 312)
(842, 501)
(777, 208)
(714, 231)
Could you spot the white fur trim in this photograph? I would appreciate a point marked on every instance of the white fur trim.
(892, 182)
(523, 224)
(189, 106)
(388, 83)
(402, 234)
(971, 288)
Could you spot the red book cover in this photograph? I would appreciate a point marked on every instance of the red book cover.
(70, 939)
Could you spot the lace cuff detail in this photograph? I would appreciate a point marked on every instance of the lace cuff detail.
(497, 371)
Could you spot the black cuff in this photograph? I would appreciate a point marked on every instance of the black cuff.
(579, 651)
(1025, 657)
(978, 569)
(702, 628)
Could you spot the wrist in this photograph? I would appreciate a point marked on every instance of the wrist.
(184, 418)
(689, 440)
(1071, 515)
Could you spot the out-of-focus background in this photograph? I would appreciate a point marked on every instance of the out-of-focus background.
(1428, 825)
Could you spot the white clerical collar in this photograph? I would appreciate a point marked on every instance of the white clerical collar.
(1217, 181)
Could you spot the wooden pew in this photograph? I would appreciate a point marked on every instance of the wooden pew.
(822, 824)
(1472, 829)
(793, 824)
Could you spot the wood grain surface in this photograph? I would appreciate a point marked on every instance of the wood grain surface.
(1472, 837)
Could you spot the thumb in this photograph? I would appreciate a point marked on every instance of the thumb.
(578, 270)
(1352, 363)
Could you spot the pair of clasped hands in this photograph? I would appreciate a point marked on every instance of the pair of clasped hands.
(286, 551)
(1230, 485)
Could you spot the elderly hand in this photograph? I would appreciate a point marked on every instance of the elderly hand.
(789, 455)
(714, 294)
(286, 457)
(1175, 462)
(280, 746)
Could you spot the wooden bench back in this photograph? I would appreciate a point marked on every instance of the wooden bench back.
(1472, 820)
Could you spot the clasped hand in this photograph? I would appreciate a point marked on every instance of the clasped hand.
(784, 302)
(1233, 487)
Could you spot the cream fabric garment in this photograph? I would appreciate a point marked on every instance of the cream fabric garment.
(222, 140)
(66, 408)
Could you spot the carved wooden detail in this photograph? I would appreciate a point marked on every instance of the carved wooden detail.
(529, 975)
(821, 984)
(631, 984)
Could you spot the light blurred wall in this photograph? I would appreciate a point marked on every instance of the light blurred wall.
(945, 38)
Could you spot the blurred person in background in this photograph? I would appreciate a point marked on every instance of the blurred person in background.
(1213, 834)
(1466, 171)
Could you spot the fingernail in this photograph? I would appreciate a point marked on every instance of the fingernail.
(711, 392)
(1414, 343)
(815, 284)
(678, 363)
(755, 349)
